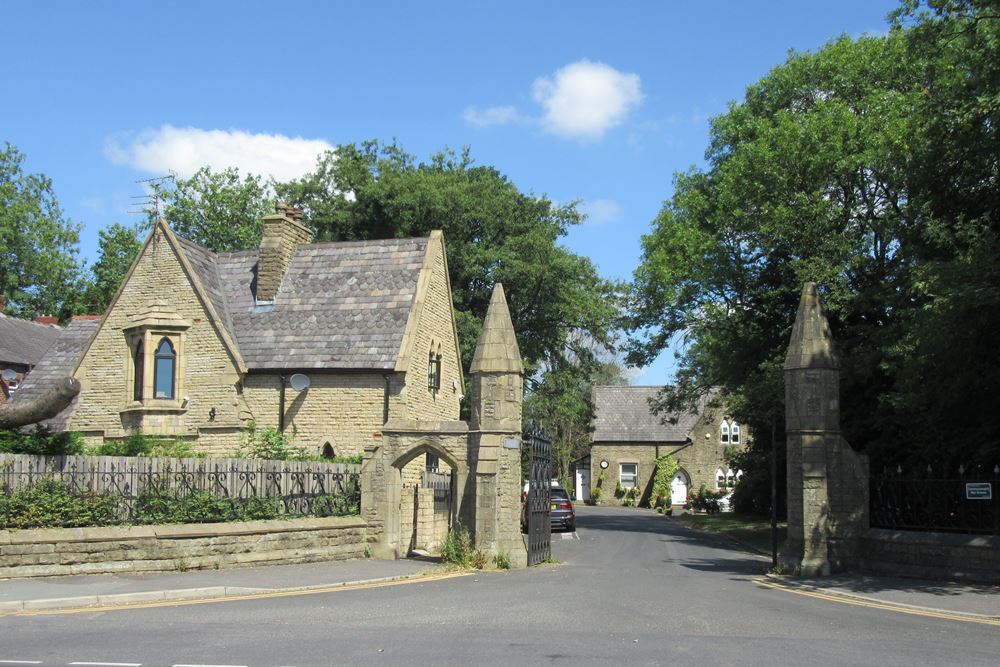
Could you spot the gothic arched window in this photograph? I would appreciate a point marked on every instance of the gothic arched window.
(164, 370)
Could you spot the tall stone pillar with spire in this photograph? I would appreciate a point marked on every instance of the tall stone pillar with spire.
(827, 480)
(497, 376)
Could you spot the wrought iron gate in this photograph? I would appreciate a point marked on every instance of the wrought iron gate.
(539, 496)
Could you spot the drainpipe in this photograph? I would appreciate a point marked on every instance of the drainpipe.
(281, 405)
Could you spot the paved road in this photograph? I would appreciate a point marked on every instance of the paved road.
(634, 589)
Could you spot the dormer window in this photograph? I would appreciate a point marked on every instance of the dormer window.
(734, 436)
(165, 370)
(156, 372)
(724, 436)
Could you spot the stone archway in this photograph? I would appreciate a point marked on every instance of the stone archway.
(427, 511)
(387, 473)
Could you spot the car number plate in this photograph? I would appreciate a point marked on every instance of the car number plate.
(553, 505)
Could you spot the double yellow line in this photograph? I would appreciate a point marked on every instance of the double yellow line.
(872, 604)
(263, 595)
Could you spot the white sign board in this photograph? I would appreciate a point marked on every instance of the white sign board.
(978, 491)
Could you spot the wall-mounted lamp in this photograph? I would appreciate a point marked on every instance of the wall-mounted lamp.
(211, 415)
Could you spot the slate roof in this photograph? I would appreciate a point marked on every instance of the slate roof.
(339, 306)
(622, 414)
(58, 362)
(24, 342)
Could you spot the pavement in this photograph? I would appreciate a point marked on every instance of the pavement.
(75, 592)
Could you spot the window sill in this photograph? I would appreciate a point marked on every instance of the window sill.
(159, 406)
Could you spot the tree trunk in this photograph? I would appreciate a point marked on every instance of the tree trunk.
(52, 402)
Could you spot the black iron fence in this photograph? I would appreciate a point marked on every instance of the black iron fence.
(925, 499)
(93, 491)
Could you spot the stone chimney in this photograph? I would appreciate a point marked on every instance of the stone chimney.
(46, 319)
(282, 232)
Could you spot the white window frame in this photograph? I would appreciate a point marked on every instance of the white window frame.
(634, 477)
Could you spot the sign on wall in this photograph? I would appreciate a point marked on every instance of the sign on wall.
(978, 491)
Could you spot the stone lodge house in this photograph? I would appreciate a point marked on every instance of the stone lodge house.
(324, 341)
(628, 438)
(22, 345)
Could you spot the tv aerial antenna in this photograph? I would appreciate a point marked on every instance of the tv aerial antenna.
(149, 203)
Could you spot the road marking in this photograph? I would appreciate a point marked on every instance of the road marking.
(886, 606)
(109, 664)
(210, 666)
(238, 598)
(20, 662)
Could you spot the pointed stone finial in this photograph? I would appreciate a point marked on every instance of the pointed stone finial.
(497, 351)
(811, 344)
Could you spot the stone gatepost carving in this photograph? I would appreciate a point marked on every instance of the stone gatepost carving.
(495, 433)
(827, 480)
(485, 456)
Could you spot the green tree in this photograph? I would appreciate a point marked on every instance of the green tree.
(219, 210)
(117, 249)
(39, 272)
(869, 167)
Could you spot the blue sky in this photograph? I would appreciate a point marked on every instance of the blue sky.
(596, 102)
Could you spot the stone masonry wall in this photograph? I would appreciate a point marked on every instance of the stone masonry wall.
(931, 555)
(207, 374)
(434, 326)
(344, 410)
(67, 551)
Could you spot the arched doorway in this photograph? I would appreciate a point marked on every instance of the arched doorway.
(679, 488)
(426, 478)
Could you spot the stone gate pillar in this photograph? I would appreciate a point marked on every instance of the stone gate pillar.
(497, 377)
(827, 480)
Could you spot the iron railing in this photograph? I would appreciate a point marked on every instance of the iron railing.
(138, 491)
(931, 500)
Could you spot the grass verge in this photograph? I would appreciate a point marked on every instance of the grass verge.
(752, 530)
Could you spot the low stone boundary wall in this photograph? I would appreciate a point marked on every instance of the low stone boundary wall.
(63, 551)
(931, 555)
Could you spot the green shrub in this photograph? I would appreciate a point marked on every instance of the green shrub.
(353, 458)
(40, 440)
(270, 444)
(457, 547)
(619, 490)
(502, 560)
(50, 503)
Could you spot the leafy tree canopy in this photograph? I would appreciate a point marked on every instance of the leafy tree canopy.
(38, 264)
(870, 167)
(117, 249)
(219, 210)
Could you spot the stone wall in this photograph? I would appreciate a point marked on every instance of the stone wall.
(433, 329)
(344, 410)
(931, 555)
(66, 551)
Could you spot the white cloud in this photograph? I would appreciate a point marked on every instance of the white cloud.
(185, 150)
(600, 211)
(494, 116)
(585, 99)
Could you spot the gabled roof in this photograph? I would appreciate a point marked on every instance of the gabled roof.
(24, 342)
(339, 306)
(623, 414)
(59, 362)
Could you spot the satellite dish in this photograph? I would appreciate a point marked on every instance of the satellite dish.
(9, 374)
(298, 381)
